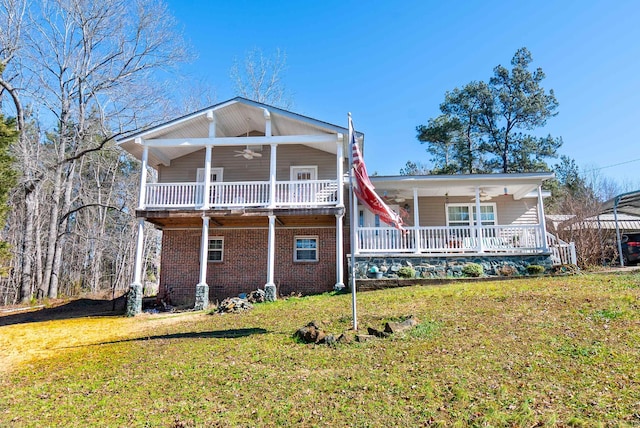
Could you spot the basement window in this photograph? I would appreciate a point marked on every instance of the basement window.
(216, 249)
(306, 249)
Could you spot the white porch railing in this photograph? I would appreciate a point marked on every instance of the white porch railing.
(308, 193)
(242, 194)
(521, 237)
(452, 239)
(173, 195)
(562, 253)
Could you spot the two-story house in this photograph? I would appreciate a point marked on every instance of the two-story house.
(251, 196)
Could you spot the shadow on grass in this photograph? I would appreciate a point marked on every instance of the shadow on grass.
(232, 333)
(78, 308)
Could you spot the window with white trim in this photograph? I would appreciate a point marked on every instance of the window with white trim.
(215, 249)
(465, 214)
(305, 249)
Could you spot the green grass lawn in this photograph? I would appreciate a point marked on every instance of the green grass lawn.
(561, 351)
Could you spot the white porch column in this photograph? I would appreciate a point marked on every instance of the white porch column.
(206, 192)
(480, 243)
(143, 174)
(134, 300)
(339, 253)
(207, 179)
(272, 176)
(272, 160)
(416, 223)
(340, 171)
(542, 221)
(267, 123)
(270, 286)
(202, 288)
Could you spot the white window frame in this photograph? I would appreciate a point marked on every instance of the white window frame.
(472, 207)
(210, 250)
(217, 172)
(295, 248)
(293, 170)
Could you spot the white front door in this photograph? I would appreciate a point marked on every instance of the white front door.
(369, 219)
(216, 175)
(303, 193)
(379, 239)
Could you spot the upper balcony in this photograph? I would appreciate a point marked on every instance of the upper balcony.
(243, 194)
(270, 158)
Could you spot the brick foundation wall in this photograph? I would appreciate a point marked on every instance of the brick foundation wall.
(244, 265)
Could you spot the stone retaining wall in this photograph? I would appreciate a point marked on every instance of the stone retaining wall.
(447, 267)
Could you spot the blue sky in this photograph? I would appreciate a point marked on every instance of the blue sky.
(390, 63)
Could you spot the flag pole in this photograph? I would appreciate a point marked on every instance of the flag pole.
(353, 215)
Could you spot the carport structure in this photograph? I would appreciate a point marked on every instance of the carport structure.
(626, 203)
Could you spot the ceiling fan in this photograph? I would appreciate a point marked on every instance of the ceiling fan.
(247, 154)
(484, 196)
(393, 197)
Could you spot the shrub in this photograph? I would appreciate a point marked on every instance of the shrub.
(473, 269)
(566, 269)
(535, 269)
(507, 270)
(406, 272)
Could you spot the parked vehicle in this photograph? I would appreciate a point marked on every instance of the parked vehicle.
(631, 248)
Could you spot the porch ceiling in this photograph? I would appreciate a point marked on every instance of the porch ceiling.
(234, 118)
(490, 185)
(242, 218)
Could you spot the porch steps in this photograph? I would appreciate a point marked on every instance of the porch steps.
(562, 253)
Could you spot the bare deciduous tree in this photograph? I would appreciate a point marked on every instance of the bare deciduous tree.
(259, 78)
(91, 71)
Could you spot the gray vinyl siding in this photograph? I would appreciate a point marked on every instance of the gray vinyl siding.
(523, 211)
(509, 211)
(237, 168)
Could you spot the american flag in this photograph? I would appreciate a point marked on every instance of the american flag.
(364, 190)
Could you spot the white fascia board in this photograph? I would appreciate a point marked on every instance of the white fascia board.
(468, 177)
(480, 179)
(242, 141)
(177, 121)
(534, 195)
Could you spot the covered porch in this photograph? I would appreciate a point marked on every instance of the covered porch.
(441, 217)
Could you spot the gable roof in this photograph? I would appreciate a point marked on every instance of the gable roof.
(237, 117)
